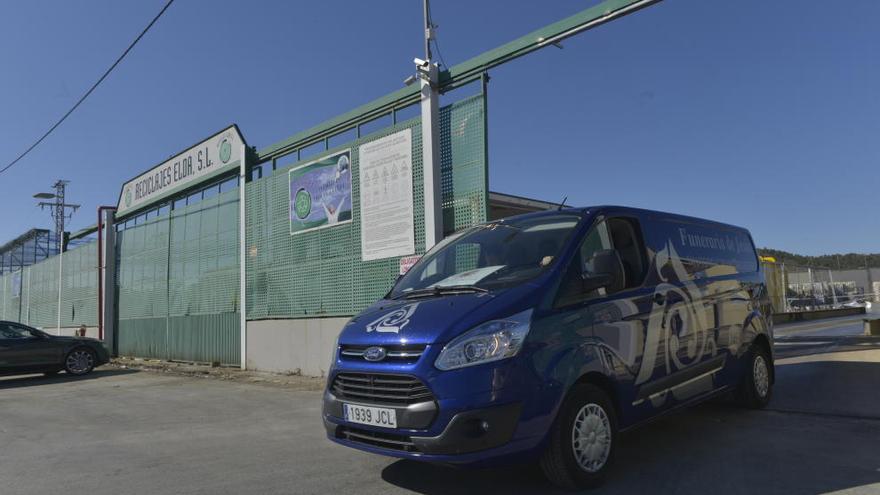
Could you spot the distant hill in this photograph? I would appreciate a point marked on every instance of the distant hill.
(846, 261)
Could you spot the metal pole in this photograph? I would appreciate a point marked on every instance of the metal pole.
(430, 103)
(812, 288)
(27, 309)
(784, 291)
(60, 285)
(833, 292)
(242, 257)
(59, 213)
(426, 9)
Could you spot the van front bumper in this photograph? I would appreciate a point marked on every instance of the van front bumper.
(467, 432)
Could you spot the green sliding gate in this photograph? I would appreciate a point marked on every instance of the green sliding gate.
(177, 279)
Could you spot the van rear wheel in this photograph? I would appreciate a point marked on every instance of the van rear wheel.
(756, 386)
(582, 441)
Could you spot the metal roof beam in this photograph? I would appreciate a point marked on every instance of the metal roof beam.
(460, 74)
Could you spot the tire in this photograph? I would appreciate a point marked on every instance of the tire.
(756, 387)
(587, 415)
(80, 361)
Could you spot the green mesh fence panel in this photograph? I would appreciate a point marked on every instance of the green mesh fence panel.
(142, 270)
(204, 257)
(79, 290)
(11, 304)
(43, 301)
(36, 302)
(177, 279)
(25, 295)
(320, 273)
(14, 300)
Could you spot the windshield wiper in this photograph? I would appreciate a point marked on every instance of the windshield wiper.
(441, 291)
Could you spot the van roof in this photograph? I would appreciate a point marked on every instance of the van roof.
(586, 210)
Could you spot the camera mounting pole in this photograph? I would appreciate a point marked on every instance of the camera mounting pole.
(429, 78)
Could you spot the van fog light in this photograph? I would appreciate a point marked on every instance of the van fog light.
(492, 341)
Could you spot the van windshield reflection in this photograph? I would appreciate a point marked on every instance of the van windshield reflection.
(489, 257)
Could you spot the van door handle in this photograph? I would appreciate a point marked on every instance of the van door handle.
(660, 299)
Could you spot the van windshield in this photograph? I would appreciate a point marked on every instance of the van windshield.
(489, 256)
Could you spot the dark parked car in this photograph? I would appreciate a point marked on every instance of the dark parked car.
(27, 350)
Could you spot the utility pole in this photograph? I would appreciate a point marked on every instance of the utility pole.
(429, 76)
(58, 209)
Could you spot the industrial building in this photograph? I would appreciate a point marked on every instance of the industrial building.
(163, 276)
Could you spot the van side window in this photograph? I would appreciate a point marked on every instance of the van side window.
(570, 290)
(626, 238)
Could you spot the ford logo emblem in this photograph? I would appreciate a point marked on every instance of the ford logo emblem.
(375, 353)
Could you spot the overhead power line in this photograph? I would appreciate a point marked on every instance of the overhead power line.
(87, 93)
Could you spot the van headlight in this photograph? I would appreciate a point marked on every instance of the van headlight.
(492, 341)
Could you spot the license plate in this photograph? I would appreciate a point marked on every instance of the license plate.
(366, 415)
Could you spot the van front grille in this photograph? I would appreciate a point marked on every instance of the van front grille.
(376, 388)
(393, 353)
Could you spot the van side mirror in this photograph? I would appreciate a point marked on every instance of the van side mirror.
(604, 269)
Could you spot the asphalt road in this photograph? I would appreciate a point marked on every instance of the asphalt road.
(127, 432)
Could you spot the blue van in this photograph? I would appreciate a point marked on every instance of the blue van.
(543, 336)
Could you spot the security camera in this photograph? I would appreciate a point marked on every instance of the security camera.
(409, 80)
(420, 62)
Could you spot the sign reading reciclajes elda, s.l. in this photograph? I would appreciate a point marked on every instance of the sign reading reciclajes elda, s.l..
(218, 153)
(385, 172)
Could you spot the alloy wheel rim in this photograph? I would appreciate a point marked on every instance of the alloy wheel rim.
(591, 438)
(79, 362)
(762, 376)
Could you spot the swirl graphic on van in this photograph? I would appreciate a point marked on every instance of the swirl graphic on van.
(394, 321)
(681, 325)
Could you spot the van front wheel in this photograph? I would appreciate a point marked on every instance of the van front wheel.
(582, 440)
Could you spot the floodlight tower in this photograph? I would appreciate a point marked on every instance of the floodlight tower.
(58, 209)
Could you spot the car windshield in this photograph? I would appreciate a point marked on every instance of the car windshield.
(489, 256)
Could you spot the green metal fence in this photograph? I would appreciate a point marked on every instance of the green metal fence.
(33, 299)
(177, 284)
(320, 273)
(79, 289)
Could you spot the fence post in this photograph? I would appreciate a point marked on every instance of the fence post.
(833, 291)
(27, 308)
(242, 258)
(784, 291)
(60, 284)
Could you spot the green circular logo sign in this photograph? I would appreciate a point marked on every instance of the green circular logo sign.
(128, 197)
(225, 151)
(302, 203)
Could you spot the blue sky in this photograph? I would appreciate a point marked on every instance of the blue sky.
(763, 114)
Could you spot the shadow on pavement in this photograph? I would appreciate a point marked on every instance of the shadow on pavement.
(35, 380)
(811, 440)
(841, 387)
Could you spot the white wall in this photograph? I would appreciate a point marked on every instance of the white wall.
(292, 346)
